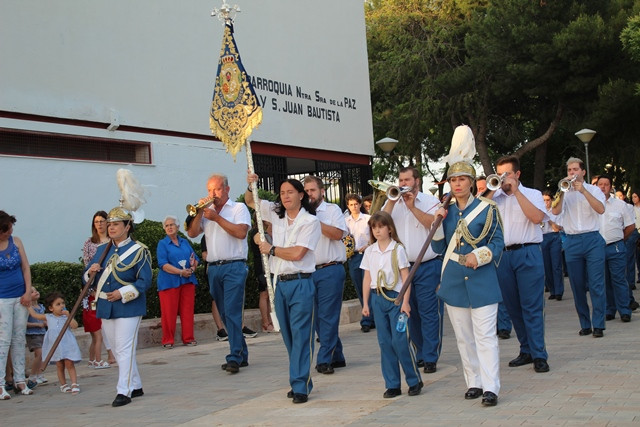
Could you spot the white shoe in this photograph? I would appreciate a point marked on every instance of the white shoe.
(101, 365)
(3, 394)
(40, 379)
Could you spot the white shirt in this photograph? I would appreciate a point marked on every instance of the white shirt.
(220, 244)
(410, 231)
(359, 229)
(306, 232)
(636, 211)
(577, 214)
(375, 260)
(517, 227)
(546, 227)
(615, 219)
(331, 250)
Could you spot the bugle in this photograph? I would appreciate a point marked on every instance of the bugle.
(564, 184)
(192, 210)
(394, 192)
(494, 181)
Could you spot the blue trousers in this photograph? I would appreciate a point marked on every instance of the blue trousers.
(521, 279)
(357, 275)
(552, 257)
(585, 254)
(226, 285)
(617, 288)
(329, 282)
(425, 322)
(504, 321)
(395, 347)
(630, 246)
(295, 312)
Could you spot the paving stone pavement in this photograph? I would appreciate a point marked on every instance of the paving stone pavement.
(592, 382)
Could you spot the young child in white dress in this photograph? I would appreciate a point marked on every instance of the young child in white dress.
(68, 352)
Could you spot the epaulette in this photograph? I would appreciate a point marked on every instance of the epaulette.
(142, 245)
(484, 199)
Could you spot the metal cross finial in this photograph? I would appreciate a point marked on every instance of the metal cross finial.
(226, 13)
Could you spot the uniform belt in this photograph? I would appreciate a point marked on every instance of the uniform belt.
(227, 261)
(459, 258)
(318, 267)
(387, 293)
(613, 243)
(518, 246)
(102, 295)
(293, 276)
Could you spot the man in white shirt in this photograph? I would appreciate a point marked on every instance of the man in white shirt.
(615, 225)
(521, 269)
(581, 208)
(358, 227)
(329, 277)
(412, 214)
(225, 224)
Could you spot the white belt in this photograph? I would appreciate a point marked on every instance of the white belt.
(102, 295)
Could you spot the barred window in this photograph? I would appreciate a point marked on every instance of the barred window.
(42, 144)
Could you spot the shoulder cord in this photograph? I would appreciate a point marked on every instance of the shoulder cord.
(382, 283)
(116, 269)
(463, 230)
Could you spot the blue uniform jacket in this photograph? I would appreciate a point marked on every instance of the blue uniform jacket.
(139, 275)
(462, 286)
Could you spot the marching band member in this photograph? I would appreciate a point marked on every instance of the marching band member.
(521, 270)
(584, 247)
(296, 233)
(552, 251)
(412, 214)
(615, 225)
(471, 234)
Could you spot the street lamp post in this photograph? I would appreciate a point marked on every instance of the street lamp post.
(387, 144)
(586, 135)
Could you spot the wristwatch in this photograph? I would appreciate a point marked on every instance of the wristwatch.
(272, 251)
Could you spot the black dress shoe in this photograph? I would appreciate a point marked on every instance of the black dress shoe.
(634, 305)
(552, 297)
(137, 393)
(609, 316)
(414, 390)
(392, 392)
(242, 365)
(232, 367)
(626, 318)
(430, 367)
(290, 394)
(300, 398)
(584, 331)
(473, 393)
(489, 399)
(365, 328)
(121, 400)
(522, 359)
(420, 363)
(598, 333)
(339, 364)
(503, 334)
(324, 368)
(540, 365)
(558, 297)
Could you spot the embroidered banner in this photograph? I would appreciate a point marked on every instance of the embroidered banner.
(235, 111)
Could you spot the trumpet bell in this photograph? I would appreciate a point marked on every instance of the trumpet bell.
(394, 192)
(494, 181)
(192, 210)
(565, 184)
(379, 195)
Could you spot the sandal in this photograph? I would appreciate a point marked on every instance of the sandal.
(9, 385)
(4, 395)
(26, 391)
(167, 346)
(191, 343)
(92, 364)
(101, 365)
(65, 388)
(75, 388)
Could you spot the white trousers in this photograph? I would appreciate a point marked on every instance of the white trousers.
(475, 331)
(123, 336)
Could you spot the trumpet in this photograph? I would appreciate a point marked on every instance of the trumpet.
(494, 181)
(565, 183)
(192, 210)
(394, 192)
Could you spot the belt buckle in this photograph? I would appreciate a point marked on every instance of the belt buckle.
(462, 259)
(93, 305)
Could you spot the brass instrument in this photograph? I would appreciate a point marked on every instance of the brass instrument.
(565, 183)
(379, 195)
(494, 181)
(192, 210)
(394, 192)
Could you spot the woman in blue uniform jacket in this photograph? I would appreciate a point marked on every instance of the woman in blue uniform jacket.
(471, 239)
(121, 282)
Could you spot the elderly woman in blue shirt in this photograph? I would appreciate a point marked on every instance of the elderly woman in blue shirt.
(176, 283)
